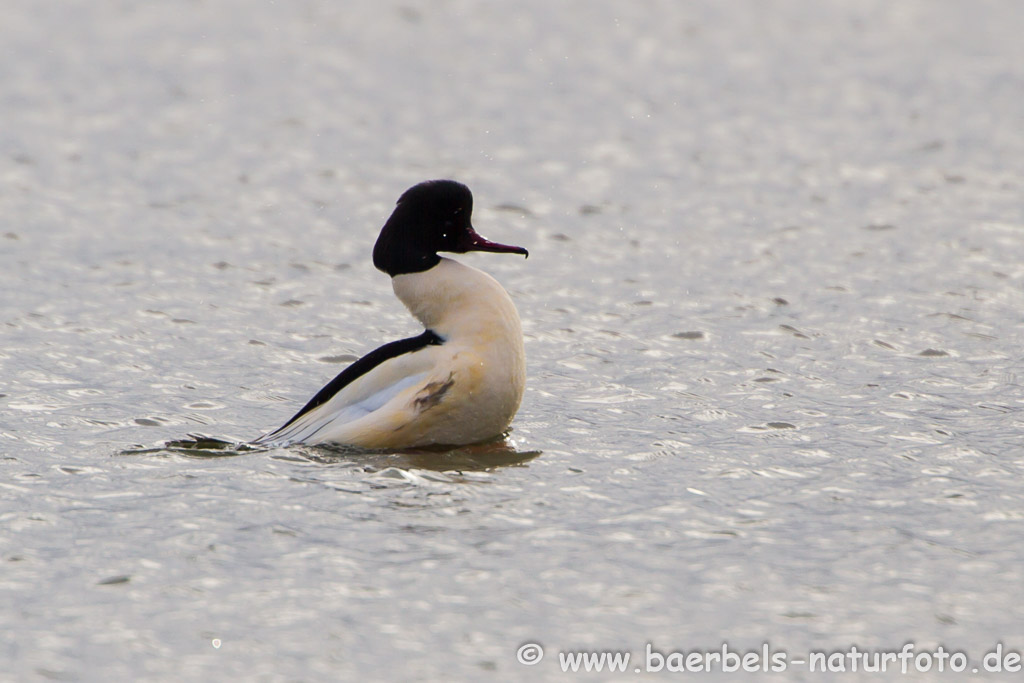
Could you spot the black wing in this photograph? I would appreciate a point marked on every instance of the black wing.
(363, 366)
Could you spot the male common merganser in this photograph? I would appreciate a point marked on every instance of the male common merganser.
(461, 381)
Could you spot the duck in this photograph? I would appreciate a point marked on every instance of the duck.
(461, 380)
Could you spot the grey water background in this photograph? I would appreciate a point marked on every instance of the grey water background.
(773, 316)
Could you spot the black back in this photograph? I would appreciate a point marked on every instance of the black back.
(363, 366)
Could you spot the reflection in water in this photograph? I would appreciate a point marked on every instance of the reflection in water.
(476, 457)
(195, 446)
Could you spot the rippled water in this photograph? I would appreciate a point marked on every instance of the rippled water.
(772, 314)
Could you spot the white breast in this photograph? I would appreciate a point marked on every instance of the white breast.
(463, 391)
(461, 303)
(483, 341)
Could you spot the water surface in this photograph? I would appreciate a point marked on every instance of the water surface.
(772, 314)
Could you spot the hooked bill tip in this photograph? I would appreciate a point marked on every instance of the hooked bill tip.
(474, 242)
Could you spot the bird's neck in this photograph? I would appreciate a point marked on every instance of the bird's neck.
(455, 300)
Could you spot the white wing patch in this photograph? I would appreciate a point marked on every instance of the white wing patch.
(332, 415)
